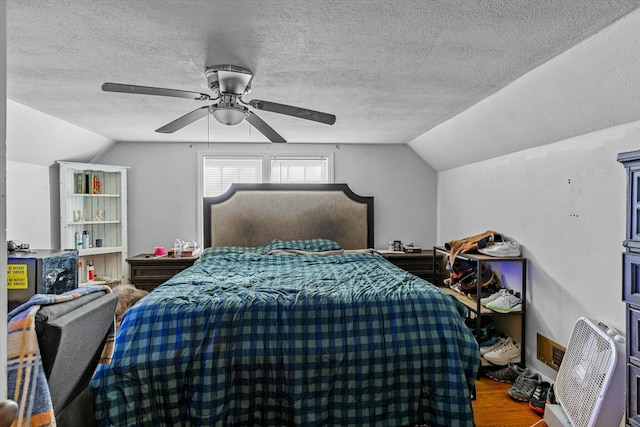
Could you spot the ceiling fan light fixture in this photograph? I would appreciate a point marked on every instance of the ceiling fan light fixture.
(228, 115)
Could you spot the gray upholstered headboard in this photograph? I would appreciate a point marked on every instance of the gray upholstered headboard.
(255, 214)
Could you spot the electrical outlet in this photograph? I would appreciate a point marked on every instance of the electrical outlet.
(549, 352)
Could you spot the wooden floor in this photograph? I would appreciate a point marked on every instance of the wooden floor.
(494, 408)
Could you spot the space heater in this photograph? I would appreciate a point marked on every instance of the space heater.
(589, 387)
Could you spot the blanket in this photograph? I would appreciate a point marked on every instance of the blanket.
(247, 338)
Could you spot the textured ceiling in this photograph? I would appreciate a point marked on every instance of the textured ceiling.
(389, 70)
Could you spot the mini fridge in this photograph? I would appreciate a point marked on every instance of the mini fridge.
(40, 271)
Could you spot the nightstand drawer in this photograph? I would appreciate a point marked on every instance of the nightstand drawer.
(142, 273)
(419, 264)
(148, 271)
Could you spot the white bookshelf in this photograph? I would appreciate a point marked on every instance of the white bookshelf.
(93, 198)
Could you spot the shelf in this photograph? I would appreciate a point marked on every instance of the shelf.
(481, 257)
(91, 195)
(92, 222)
(470, 304)
(100, 251)
(473, 305)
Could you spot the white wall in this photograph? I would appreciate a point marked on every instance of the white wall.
(29, 214)
(3, 204)
(565, 203)
(37, 138)
(34, 141)
(162, 188)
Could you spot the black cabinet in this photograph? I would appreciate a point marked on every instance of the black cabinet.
(631, 283)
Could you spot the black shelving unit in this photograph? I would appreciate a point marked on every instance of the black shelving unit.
(475, 307)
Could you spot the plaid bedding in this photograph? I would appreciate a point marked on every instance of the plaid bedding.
(245, 338)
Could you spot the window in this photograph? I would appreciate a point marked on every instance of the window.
(219, 172)
(299, 170)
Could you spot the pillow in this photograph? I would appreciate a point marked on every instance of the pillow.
(224, 250)
(309, 245)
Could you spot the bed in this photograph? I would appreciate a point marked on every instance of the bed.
(289, 319)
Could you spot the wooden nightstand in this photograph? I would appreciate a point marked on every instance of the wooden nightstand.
(419, 264)
(148, 271)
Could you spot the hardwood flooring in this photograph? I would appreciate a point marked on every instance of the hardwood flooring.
(494, 408)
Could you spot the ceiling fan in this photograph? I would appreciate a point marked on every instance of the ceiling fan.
(228, 84)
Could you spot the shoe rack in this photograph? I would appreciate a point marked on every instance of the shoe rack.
(511, 324)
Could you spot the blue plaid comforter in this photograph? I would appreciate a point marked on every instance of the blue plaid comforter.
(243, 338)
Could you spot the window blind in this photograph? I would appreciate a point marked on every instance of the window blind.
(220, 172)
(299, 170)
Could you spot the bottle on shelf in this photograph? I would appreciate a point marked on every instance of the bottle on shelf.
(85, 239)
(177, 248)
(90, 272)
(78, 240)
(80, 272)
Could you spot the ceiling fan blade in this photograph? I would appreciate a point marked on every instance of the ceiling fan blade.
(146, 90)
(185, 120)
(289, 110)
(264, 128)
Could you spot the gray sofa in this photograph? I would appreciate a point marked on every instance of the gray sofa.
(71, 336)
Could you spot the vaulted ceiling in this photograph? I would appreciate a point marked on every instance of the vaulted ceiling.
(391, 71)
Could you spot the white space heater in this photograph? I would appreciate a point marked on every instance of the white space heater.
(589, 386)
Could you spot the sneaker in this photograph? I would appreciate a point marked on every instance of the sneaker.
(551, 396)
(485, 291)
(505, 303)
(486, 336)
(539, 397)
(492, 297)
(525, 386)
(456, 287)
(508, 374)
(488, 342)
(499, 343)
(502, 356)
(502, 249)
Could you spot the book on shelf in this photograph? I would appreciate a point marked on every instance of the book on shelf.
(87, 183)
(80, 183)
(95, 187)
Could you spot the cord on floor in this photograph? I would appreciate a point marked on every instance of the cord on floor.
(536, 423)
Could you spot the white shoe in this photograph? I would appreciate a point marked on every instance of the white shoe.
(502, 356)
(456, 287)
(494, 296)
(502, 249)
(505, 304)
(489, 348)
